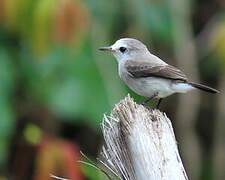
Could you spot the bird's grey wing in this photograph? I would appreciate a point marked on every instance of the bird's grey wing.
(146, 69)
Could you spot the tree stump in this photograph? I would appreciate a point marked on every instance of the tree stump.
(140, 144)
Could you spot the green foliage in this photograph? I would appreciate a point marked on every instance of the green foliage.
(69, 84)
(154, 17)
(94, 174)
(6, 100)
(91, 172)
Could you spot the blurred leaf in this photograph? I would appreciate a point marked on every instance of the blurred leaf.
(69, 84)
(7, 114)
(6, 87)
(155, 17)
(33, 134)
(91, 172)
(69, 21)
(42, 22)
(58, 22)
(11, 14)
(3, 150)
(2, 10)
(6, 72)
(58, 157)
(105, 13)
(217, 41)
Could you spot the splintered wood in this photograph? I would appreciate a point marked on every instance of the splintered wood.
(140, 144)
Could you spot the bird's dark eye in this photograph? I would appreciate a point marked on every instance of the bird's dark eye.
(123, 49)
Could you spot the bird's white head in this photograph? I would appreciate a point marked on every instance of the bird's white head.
(126, 48)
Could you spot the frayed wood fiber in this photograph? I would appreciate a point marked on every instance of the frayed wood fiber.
(140, 144)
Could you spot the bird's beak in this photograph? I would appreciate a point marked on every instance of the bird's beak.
(107, 49)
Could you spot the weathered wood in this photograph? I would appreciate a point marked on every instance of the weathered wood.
(140, 144)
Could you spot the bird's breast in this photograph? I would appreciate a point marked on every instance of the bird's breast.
(138, 85)
(146, 86)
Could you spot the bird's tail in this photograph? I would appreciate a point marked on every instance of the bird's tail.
(203, 87)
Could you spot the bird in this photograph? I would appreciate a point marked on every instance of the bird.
(148, 75)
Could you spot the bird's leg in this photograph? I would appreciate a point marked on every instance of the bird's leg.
(160, 100)
(150, 98)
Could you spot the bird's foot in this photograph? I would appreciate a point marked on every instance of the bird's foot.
(149, 99)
